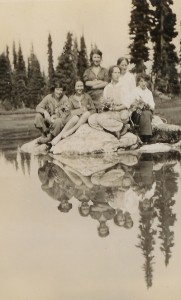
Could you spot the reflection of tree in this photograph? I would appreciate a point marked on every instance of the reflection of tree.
(25, 160)
(147, 241)
(145, 180)
(165, 190)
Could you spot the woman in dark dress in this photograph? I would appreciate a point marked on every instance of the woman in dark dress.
(95, 77)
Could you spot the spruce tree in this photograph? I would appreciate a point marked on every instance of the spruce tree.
(20, 80)
(35, 81)
(51, 72)
(5, 82)
(82, 58)
(14, 56)
(139, 27)
(65, 70)
(75, 57)
(165, 57)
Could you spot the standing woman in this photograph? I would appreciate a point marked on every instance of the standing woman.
(95, 77)
(126, 79)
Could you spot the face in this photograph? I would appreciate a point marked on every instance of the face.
(103, 230)
(58, 92)
(85, 208)
(120, 218)
(79, 87)
(116, 74)
(123, 66)
(128, 221)
(146, 204)
(142, 84)
(96, 59)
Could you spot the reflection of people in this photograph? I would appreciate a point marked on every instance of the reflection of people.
(53, 112)
(95, 77)
(57, 185)
(102, 212)
(117, 114)
(81, 107)
(64, 205)
(144, 116)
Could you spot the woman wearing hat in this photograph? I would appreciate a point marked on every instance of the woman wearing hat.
(53, 112)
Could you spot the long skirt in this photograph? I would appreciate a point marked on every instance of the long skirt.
(145, 127)
(112, 121)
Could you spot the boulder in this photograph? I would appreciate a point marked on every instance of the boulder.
(87, 140)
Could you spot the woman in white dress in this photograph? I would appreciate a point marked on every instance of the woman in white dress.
(126, 80)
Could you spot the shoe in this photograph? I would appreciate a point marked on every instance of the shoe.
(44, 140)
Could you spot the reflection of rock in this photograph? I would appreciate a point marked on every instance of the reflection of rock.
(87, 165)
(88, 140)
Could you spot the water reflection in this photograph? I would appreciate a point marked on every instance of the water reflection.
(115, 192)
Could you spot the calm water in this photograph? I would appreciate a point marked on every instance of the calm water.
(90, 228)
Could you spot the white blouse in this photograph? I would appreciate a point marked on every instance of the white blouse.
(145, 95)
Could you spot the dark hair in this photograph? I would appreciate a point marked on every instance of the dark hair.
(95, 51)
(65, 209)
(111, 70)
(119, 61)
(56, 84)
(142, 76)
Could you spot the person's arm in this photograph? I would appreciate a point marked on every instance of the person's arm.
(101, 84)
(151, 101)
(90, 106)
(41, 108)
(76, 111)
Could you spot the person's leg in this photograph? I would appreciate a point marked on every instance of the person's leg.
(93, 122)
(41, 124)
(145, 126)
(67, 126)
(83, 119)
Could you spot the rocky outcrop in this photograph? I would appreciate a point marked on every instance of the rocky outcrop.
(87, 140)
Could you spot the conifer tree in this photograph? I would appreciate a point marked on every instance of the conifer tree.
(139, 27)
(82, 58)
(75, 57)
(5, 82)
(51, 72)
(163, 32)
(14, 56)
(20, 80)
(65, 70)
(35, 81)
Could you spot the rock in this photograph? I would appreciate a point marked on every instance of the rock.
(87, 140)
(34, 148)
(96, 142)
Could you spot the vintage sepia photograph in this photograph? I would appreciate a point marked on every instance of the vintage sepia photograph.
(90, 149)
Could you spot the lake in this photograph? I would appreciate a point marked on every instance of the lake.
(89, 228)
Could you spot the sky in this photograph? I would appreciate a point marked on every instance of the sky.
(104, 22)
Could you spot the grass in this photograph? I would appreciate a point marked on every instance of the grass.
(169, 109)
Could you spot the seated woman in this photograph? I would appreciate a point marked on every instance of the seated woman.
(81, 106)
(95, 77)
(116, 117)
(143, 106)
(52, 114)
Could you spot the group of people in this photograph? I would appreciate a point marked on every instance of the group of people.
(110, 102)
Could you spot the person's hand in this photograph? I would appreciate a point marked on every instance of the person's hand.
(47, 116)
(84, 109)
